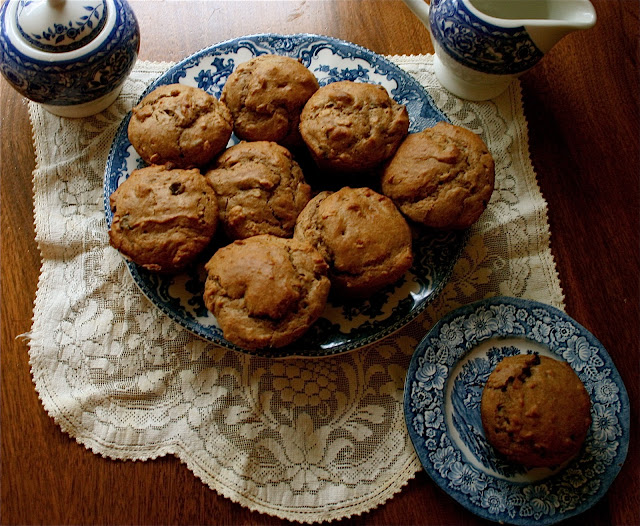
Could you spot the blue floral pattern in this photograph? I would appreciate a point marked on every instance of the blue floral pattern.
(213, 80)
(479, 45)
(60, 38)
(442, 407)
(344, 326)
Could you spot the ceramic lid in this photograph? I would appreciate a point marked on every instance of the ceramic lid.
(59, 26)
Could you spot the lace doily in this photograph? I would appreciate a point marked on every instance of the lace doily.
(305, 440)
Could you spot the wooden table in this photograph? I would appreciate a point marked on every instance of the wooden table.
(581, 102)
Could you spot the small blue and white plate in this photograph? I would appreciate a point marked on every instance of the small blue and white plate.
(443, 390)
(343, 327)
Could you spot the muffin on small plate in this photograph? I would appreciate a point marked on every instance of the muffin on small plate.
(441, 177)
(163, 218)
(266, 95)
(362, 236)
(260, 189)
(180, 125)
(266, 291)
(352, 126)
(535, 410)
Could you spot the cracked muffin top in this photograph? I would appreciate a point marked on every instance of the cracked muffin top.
(179, 125)
(441, 177)
(266, 95)
(352, 126)
(266, 291)
(535, 410)
(362, 236)
(260, 189)
(163, 218)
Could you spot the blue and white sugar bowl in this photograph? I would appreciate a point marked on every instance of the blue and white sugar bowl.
(71, 56)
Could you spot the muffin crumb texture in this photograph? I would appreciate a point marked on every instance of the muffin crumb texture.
(179, 125)
(535, 410)
(266, 291)
(442, 177)
(163, 218)
(260, 189)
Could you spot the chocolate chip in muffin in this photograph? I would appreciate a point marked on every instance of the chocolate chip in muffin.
(163, 218)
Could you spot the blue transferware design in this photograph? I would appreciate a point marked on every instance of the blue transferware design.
(478, 44)
(443, 388)
(65, 76)
(344, 326)
(60, 38)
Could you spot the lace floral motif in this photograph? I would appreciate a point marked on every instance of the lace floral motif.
(305, 440)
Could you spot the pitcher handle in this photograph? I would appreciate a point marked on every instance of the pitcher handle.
(419, 8)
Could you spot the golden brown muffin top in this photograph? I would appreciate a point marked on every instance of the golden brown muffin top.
(362, 236)
(266, 291)
(535, 410)
(163, 218)
(442, 177)
(181, 125)
(353, 126)
(260, 189)
(266, 95)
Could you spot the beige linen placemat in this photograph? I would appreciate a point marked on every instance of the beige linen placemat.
(128, 383)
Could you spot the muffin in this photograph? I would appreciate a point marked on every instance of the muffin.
(352, 127)
(535, 410)
(441, 177)
(260, 189)
(180, 125)
(266, 291)
(362, 236)
(266, 96)
(163, 218)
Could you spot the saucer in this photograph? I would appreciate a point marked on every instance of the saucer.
(443, 389)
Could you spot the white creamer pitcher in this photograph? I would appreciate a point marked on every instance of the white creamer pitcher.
(482, 45)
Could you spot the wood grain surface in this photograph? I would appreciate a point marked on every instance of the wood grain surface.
(582, 105)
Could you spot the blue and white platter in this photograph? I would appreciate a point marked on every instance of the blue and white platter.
(443, 390)
(343, 326)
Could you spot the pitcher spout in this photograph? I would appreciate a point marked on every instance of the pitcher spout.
(419, 8)
(573, 15)
(546, 21)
